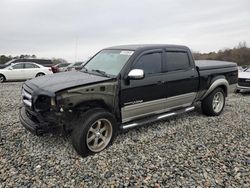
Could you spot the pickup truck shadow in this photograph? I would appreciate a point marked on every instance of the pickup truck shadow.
(245, 93)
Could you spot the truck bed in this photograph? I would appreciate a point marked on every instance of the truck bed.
(212, 64)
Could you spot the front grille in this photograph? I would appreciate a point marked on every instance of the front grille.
(244, 82)
(26, 98)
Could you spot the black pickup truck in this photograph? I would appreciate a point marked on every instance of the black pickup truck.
(123, 87)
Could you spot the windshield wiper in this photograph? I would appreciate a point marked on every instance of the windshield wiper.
(100, 72)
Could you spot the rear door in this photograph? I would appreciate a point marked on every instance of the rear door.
(182, 78)
(30, 70)
(146, 96)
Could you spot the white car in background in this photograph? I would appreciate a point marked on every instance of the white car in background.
(243, 81)
(23, 71)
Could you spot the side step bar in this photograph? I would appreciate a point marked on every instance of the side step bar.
(155, 118)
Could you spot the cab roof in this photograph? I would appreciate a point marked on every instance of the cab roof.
(136, 47)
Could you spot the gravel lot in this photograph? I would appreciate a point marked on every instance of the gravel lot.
(190, 150)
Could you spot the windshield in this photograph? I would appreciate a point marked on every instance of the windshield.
(9, 66)
(110, 62)
(9, 62)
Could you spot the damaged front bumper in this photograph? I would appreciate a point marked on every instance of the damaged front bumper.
(36, 123)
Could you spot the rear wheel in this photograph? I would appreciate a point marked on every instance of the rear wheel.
(40, 74)
(214, 103)
(2, 78)
(94, 131)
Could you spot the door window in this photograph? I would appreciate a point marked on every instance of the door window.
(30, 66)
(177, 61)
(150, 63)
(17, 66)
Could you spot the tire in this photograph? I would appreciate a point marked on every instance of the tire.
(94, 131)
(237, 91)
(214, 103)
(40, 74)
(2, 78)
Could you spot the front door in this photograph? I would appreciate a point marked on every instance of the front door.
(16, 72)
(146, 96)
(30, 70)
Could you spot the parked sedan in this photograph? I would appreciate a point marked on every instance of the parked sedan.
(244, 81)
(23, 71)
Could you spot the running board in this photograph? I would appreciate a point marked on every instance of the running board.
(155, 118)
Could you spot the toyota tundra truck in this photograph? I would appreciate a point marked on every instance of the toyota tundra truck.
(123, 87)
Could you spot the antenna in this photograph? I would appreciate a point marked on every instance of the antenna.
(76, 46)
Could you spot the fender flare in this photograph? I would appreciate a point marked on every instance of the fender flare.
(217, 82)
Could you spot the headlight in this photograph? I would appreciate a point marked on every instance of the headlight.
(53, 101)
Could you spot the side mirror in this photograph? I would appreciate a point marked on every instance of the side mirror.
(10, 68)
(136, 74)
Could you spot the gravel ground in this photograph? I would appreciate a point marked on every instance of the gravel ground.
(191, 150)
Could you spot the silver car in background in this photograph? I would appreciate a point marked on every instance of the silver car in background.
(243, 80)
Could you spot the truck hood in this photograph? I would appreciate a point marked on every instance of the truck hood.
(244, 75)
(51, 84)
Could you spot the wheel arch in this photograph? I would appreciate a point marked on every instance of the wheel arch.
(40, 73)
(219, 81)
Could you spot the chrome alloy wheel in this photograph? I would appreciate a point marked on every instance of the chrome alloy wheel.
(218, 102)
(99, 135)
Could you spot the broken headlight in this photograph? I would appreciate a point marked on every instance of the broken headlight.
(43, 103)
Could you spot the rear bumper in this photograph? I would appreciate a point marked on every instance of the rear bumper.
(35, 124)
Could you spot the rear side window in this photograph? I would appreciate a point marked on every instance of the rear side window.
(177, 61)
(150, 63)
(30, 66)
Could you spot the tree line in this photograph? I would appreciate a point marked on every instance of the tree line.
(240, 54)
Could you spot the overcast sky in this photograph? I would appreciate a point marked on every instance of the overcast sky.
(76, 29)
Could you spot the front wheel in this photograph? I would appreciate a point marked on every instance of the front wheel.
(94, 132)
(214, 103)
(2, 78)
